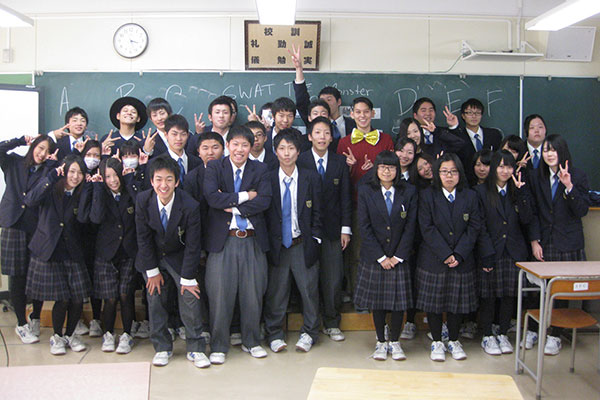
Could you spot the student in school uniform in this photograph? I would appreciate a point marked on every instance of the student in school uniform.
(517, 147)
(436, 139)
(424, 166)
(406, 149)
(475, 137)
(336, 217)
(112, 209)
(295, 233)
(450, 222)
(506, 211)
(480, 167)
(169, 236)
(66, 138)
(412, 129)
(57, 268)
(155, 143)
(387, 212)
(535, 133)
(561, 193)
(128, 115)
(18, 223)
(221, 113)
(238, 192)
(258, 151)
(284, 112)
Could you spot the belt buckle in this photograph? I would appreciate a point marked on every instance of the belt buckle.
(241, 234)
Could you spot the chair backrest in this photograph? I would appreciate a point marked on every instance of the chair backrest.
(575, 289)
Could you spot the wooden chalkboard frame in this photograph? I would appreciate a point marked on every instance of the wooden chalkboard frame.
(249, 67)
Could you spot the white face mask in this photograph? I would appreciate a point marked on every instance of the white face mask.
(130, 162)
(91, 162)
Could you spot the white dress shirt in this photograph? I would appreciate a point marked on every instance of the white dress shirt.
(242, 198)
(294, 198)
(261, 156)
(472, 136)
(176, 157)
(392, 190)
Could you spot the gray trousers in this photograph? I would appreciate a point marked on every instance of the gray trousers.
(189, 310)
(240, 269)
(291, 264)
(331, 275)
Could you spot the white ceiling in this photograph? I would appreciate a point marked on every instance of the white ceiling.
(509, 8)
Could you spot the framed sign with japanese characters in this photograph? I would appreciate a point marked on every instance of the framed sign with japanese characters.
(267, 45)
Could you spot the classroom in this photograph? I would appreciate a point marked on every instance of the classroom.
(388, 55)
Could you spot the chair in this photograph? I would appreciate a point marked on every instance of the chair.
(568, 318)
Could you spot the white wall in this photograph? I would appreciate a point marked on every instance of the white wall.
(210, 42)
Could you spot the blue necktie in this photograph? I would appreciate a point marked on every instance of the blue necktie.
(164, 220)
(286, 215)
(554, 186)
(68, 194)
(478, 144)
(321, 169)
(237, 184)
(388, 202)
(536, 158)
(428, 139)
(502, 192)
(451, 198)
(336, 130)
(181, 168)
(117, 198)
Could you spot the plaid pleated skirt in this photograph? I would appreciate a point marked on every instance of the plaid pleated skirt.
(551, 253)
(112, 279)
(57, 280)
(501, 281)
(14, 254)
(380, 289)
(448, 291)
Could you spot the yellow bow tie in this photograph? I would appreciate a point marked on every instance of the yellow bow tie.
(372, 137)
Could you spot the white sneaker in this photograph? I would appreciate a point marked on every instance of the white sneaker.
(172, 333)
(513, 326)
(95, 328)
(75, 343)
(445, 334)
(235, 339)
(490, 346)
(125, 344)
(256, 351)
(181, 332)
(304, 343)
(58, 345)
(108, 342)
(24, 333)
(34, 325)
(278, 345)
(134, 327)
(381, 351)
(495, 329)
(200, 360)
(531, 338)
(81, 328)
(504, 343)
(455, 348)
(143, 330)
(409, 331)
(468, 330)
(553, 345)
(217, 358)
(438, 351)
(161, 358)
(396, 350)
(335, 334)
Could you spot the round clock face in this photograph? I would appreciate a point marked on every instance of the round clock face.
(130, 40)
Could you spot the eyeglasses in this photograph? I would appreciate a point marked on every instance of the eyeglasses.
(448, 172)
(387, 168)
(259, 135)
(472, 113)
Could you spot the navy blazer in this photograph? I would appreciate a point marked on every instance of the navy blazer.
(445, 140)
(559, 219)
(56, 219)
(445, 233)
(336, 194)
(383, 234)
(159, 145)
(19, 180)
(309, 215)
(116, 220)
(271, 160)
(180, 245)
(491, 140)
(504, 224)
(138, 137)
(194, 185)
(220, 194)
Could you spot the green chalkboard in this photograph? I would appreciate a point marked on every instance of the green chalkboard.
(191, 93)
(570, 107)
(16, 79)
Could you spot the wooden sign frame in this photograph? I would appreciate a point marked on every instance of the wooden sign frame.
(277, 46)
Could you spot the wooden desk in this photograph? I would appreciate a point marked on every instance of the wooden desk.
(349, 384)
(546, 272)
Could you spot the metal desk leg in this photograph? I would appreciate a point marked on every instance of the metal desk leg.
(541, 341)
(518, 369)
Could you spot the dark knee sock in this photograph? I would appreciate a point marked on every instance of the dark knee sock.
(109, 314)
(435, 325)
(127, 312)
(453, 322)
(507, 306)
(18, 298)
(379, 321)
(396, 325)
(59, 312)
(37, 309)
(410, 315)
(487, 309)
(75, 310)
(96, 308)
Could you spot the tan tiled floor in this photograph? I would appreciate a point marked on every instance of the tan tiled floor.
(289, 375)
